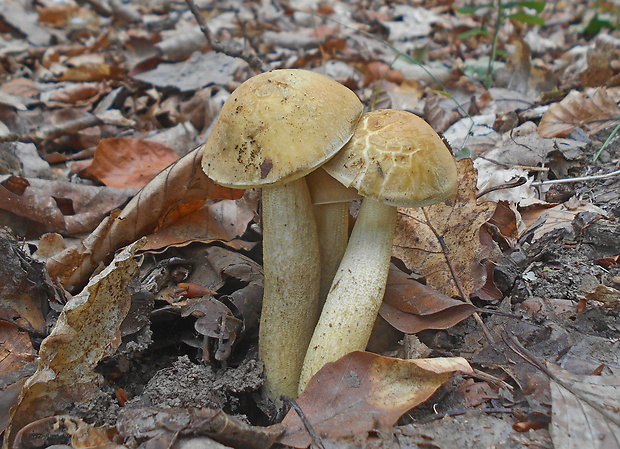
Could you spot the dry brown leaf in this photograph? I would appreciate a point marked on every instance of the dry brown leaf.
(458, 221)
(592, 110)
(87, 330)
(24, 287)
(64, 207)
(123, 162)
(585, 411)
(412, 307)
(182, 182)
(542, 218)
(223, 220)
(46, 432)
(362, 392)
(17, 362)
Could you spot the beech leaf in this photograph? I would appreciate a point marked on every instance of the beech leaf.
(592, 110)
(362, 392)
(183, 182)
(457, 221)
(87, 330)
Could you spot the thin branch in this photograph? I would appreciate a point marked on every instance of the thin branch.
(459, 286)
(248, 56)
(577, 179)
(315, 437)
(52, 132)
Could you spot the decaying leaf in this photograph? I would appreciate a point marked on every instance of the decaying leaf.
(362, 392)
(24, 287)
(164, 426)
(87, 330)
(49, 431)
(457, 221)
(222, 220)
(124, 162)
(17, 362)
(182, 182)
(64, 207)
(412, 307)
(585, 411)
(609, 296)
(592, 110)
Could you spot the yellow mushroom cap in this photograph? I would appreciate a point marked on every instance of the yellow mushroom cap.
(279, 126)
(397, 158)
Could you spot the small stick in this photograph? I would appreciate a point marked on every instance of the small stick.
(250, 57)
(577, 179)
(316, 438)
(465, 297)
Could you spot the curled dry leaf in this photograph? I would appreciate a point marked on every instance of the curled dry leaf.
(412, 307)
(87, 330)
(592, 110)
(123, 162)
(24, 287)
(362, 392)
(64, 207)
(457, 221)
(584, 410)
(183, 182)
(18, 362)
(45, 432)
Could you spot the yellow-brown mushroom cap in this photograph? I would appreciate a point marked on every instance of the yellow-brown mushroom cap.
(279, 126)
(396, 157)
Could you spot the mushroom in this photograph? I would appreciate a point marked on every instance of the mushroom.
(273, 130)
(331, 212)
(393, 159)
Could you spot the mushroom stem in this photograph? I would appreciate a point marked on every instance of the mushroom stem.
(292, 280)
(332, 222)
(356, 293)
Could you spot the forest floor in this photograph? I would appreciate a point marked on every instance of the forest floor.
(131, 288)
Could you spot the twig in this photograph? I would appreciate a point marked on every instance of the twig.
(515, 345)
(514, 182)
(52, 132)
(250, 57)
(577, 179)
(316, 438)
(606, 143)
(459, 286)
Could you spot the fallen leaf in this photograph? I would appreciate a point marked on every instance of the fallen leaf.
(363, 392)
(64, 207)
(17, 363)
(584, 410)
(200, 70)
(458, 221)
(610, 297)
(592, 110)
(123, 162)
(24, 287)
(412, 307)
(47, 431)
(182, 182)
(87, 330)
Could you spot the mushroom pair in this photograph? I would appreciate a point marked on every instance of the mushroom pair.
(276, 128)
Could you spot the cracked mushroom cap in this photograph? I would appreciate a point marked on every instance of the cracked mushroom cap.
(397, 158)
(279, 126)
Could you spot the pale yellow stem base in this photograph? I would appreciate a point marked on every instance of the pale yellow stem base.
(292, 281)
(353, 302)
(332, 222)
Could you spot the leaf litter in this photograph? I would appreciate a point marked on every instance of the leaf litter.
(537, 254)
